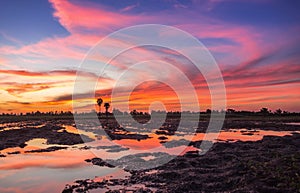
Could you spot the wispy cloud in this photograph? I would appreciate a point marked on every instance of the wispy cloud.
(72, 73)
(75, 17)
(129, 7)
(250, 56)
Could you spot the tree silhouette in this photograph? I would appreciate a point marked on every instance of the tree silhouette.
(278, 111)
(265, 111)
(106, 105)
(230, 111)
(208, 111)
(99, 102)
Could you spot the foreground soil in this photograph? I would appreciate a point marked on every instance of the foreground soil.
(269, 165)
(49, 131)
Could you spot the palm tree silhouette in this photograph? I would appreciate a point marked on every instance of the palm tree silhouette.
(106, 105)
(99, 102)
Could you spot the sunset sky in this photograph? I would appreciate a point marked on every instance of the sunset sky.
(256, 45)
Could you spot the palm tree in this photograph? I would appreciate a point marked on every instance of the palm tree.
(99, 102)
(106, 105)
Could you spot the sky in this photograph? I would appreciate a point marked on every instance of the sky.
(42, 43)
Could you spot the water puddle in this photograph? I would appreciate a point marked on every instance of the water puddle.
(293, 123)
(47, 180)
(20, 125)
(233, 135)
(51, 171)
(72, 129)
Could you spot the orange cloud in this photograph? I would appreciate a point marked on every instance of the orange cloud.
(17, 89)
(251, 78)
(48, 74)
(253, 85)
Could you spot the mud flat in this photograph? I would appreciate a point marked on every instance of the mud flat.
(18, 137)
(275, 125)
(268, 165)
(49, 149)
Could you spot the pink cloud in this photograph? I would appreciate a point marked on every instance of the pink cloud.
(71, 47)
(130, 7)
(247, 40)
(88, 23)
(3, 62)
(102, 20)
(74, 16)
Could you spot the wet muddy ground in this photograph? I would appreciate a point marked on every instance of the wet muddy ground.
(268, 165)
(247, 156)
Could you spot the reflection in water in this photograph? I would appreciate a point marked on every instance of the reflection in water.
(56, 159)
(243, 135)
(51, 171)
(293, 123)
(37, 142)
(20, 125)
(49, 180)
(33, 144)
(71, 129)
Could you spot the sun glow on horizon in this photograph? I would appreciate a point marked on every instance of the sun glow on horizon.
(258, 58)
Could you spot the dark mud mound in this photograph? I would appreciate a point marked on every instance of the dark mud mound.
(18, 137)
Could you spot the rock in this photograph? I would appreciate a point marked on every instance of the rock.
(22, 145)
(99, 162)
(162, 138)
(14, 152)
(1, 155)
